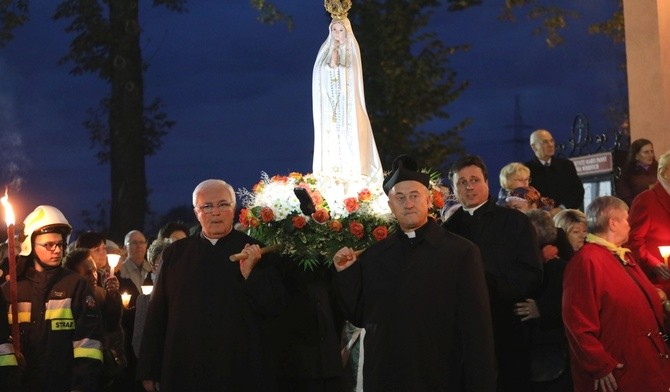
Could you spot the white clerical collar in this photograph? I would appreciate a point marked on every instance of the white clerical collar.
(410, 234)
(212, 240)
(472, 210)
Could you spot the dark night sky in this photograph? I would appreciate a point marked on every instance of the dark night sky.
(240, 93)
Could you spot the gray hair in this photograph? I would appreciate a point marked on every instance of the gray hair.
(544, 226)
(156, 249)
(663, 165)
(213, 183)
(598, 213)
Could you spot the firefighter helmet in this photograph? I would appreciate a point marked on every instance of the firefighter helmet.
(44, 219)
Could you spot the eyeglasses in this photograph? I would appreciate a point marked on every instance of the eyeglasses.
(51, 246)
(136, 243)
(472, 182)
(209, 207)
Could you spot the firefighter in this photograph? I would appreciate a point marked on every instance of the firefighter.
(58, 317)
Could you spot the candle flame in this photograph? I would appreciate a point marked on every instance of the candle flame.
(9, 212)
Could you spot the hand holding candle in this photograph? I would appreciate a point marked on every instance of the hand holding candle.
(113, 261)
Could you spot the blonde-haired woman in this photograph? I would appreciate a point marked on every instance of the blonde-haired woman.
(573, 222)
(513, 175)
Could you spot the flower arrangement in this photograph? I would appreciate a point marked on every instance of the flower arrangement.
(352, 213)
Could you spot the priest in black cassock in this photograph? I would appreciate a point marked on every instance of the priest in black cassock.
(421, 296)
(204, 324)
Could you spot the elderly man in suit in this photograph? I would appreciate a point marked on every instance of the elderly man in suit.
(552, 176)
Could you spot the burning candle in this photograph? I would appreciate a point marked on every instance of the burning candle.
(665, 252)
(125, 299)
(147, 289)
(13, 286)
(113, 261)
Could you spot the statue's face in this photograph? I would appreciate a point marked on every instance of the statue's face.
(339, 32)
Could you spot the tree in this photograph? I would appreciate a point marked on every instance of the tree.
(107, 43)
(407, 82)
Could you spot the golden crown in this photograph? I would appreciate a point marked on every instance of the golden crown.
(337, 8)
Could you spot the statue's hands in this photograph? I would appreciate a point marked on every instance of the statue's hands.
(335, 59)
(344, 258)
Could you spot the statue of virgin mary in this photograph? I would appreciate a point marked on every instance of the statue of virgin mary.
(344, 145)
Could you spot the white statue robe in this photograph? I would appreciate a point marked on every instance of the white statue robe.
(344, 145)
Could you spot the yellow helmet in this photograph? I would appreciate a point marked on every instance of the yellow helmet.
(44, 219)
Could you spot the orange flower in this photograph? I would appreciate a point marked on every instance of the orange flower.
(244, 216)
(279, 178)
(253, 222)
(335, 226)
(438, 198)
(258, 186)
(295, 175)
(351, 204)
(380, 232)
(317, 198)
(321, 215)
(365, 195)
(356, 229)
(299, 221)
(267, 215)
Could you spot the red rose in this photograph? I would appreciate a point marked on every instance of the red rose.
(438, 198)
(253, 222)
(299, 221)
(356, 229)
(321, 215)
(380, 232)
(365, 195)
(244, 217)
(351, 204)
(549, 252)
(267, 215)
(335, 226)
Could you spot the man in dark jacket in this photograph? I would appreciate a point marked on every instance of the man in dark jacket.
(512, 264)
(203, 330)
(421, 296)
(552, 176)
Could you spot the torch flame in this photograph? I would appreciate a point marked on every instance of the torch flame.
(9, 212)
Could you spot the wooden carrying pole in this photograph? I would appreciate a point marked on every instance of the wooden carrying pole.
(244, 255)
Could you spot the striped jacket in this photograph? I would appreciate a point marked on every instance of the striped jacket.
(61, 331)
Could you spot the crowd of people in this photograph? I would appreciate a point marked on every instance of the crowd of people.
(526, 291)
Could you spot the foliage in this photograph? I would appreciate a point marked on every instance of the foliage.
(407, 81)
(13, 14)
(268, 13)
(613, 27)
(553, 19)
(156, 124)
(356, 218)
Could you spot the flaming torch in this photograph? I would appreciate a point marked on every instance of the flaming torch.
(13, 293)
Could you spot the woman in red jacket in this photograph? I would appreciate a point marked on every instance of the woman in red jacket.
(650, 225)
(612, 313)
